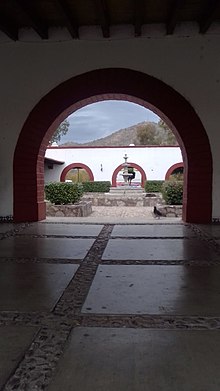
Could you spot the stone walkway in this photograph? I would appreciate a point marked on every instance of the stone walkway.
(91, 306)
(118, 214)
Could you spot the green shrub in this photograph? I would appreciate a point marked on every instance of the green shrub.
(176, 177)
(96, 186)
(172, 192)
(62, 193)
(153, 186)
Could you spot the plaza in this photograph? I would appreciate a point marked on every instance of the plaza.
(98, 303)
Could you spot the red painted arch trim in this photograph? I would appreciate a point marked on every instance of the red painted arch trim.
(119, 168)
(103, 84)
(172, 168)
(76, 165)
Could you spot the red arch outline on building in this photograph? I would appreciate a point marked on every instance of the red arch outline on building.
(120, 167)
(99, 85)
(76, 165)
(172, 168)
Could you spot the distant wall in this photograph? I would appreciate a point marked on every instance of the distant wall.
(102, 161)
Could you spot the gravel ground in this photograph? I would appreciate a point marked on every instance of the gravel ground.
(122, 211)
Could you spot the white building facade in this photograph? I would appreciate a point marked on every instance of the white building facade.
(104, 163)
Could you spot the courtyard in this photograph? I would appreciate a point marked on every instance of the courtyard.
(110, 302)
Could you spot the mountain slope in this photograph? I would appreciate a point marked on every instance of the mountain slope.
(124, 137)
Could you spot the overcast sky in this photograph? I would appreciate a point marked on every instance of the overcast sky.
(103, 118)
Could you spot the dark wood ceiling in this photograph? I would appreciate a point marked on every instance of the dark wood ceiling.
(40, 15)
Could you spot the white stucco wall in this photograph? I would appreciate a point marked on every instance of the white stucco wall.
(30, 69)
(154, 161)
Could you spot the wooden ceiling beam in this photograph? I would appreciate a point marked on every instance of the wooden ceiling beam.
(173, 16)
(8, 28)
(103, 16)
(70, 22)
(37, 25)
(138, 17)
(208, 15)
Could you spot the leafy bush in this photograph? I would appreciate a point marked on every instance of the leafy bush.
(96, 186)
(77, 175)
(153, 186)
(172, 192)
(176, 177)
(62, 193)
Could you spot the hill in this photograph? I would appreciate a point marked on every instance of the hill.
(129, 136)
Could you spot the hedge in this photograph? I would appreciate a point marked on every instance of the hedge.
(62, 193)
(96, 186)
(172, 192)
(153, 186)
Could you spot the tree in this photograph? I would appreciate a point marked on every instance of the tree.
(61, 131)
(147, 135)
(77, 175)
(155, 134)
(163, 125)
(169, 137)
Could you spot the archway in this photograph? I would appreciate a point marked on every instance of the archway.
(121, 84)
(171, 169)
(134, 165)
(76, 165)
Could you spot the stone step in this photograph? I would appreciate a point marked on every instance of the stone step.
(126, 190)
(121, 200)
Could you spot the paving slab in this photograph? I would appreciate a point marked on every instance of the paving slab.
(13, 343)
(32, 287)
(129, 359)
(114, 215)
(29, 247)
(211, 229)
(154, 289)
(5, 227)
(152, 230)
(158, 249)
(64, 229)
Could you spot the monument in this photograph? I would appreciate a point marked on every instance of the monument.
(125, 173)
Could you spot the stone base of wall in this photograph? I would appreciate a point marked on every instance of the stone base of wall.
(107, 199)
(170, 210)
(6, 219)
(81, 209)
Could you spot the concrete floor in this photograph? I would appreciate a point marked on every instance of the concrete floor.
(103, 306)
